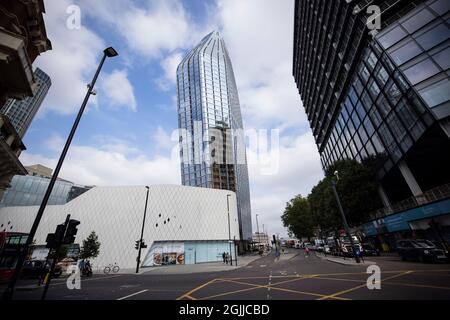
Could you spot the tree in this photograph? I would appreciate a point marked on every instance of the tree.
(91, 247)
(297, 217)
(357, 191)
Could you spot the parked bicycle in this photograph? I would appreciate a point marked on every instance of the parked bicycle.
(111, 267)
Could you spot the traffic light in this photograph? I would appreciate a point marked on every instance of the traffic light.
(71, 232)
(53, 239)
(137, 244)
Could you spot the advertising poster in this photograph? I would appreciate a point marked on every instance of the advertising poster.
(165, 254)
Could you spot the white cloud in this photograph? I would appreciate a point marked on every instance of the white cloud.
(107, 165)
(71, 63)
(151, 29)
(169, 65)
(299, 169)
(165, 141)
(117, 89)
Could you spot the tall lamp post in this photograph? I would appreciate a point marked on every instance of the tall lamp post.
(229, 229)
(7, 295)
(344, 219)
(138, 260)
(257, 230)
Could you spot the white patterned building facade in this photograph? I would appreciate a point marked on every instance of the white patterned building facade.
(184, 225)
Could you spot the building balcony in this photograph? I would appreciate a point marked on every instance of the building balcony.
(17, 79)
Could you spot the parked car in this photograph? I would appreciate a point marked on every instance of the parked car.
(421, 250)
(36, 268)
(369, 249)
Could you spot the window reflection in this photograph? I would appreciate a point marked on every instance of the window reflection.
(443, 58)
(418, 20)
(434, 36)
(421, 71)
(393, 36)
(436, 93)
(406, 52)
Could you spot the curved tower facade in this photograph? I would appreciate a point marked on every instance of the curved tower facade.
(212, 145)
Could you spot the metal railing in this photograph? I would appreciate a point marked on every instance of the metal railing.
(432, 195)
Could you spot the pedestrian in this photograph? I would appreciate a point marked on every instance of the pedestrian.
(306, 252)
(277, 255)
(223, 257)
(226, 257)
(81, 266)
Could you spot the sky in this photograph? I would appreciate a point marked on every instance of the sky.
(128, 135)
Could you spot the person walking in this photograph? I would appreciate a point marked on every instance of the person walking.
(226, 257)
(223, 257)
(306, 252)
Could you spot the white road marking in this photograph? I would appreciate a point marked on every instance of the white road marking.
(133, 294)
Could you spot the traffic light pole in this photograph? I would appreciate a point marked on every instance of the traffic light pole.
(7, 295)
(55, 258)
(138, 260)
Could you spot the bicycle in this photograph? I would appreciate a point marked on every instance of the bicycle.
(114, 267)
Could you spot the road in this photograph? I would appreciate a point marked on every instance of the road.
(299, 277)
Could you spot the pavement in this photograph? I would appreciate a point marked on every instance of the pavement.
(293, 276)
(344, 261)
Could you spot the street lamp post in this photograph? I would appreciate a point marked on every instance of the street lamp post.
(257, 230)
(344, 220)
(7, 295)
(138, 260)
(229, 229)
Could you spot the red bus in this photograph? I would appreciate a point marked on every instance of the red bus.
(11, 244)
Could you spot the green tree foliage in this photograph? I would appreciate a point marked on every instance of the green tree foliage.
(91, 247)
(357, 190)
(297, 217)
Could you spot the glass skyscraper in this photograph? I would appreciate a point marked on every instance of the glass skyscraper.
(22, 112)
(212, 146)
(382, 92)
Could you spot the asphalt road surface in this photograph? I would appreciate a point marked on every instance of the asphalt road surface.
(299, 278)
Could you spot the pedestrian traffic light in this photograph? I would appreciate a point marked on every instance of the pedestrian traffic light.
(71, 232)
(137, 244)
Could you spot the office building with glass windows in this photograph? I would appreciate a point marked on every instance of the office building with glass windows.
(29, 190)
(379, 92)
(212, 147)
(22, 112)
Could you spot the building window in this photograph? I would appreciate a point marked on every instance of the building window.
(418, 20)
(391, 37)
(443, 58)
(421, 71)
(434, 36)
(437, 93)
(406, 52)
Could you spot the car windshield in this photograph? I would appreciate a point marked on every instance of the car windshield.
(424, 243)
